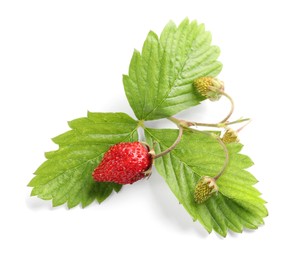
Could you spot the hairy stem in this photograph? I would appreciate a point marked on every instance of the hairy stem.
(182, 123)
(231, 109)
(219, 125)
(225, 161)
(173, 145)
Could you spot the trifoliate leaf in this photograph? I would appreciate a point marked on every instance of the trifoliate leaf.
(160, 78)
(66, 176)
(238, 204)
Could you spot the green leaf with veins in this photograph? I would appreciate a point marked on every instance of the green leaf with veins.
(66, 176)
(159, 81)
(238, 204)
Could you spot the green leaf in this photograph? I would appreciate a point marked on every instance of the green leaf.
(159, 82)
(238, 204)
(66, 176)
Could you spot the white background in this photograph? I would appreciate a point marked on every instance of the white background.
(59, 59)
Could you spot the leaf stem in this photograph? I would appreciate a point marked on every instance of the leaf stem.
(181, 129)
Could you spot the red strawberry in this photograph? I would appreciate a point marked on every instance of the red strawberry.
(124, 163)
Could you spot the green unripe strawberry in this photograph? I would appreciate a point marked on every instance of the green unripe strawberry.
(209, 87)
(204, 189)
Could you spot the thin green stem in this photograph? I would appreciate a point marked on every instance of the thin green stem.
(241, 128)
(181, 129)
(237, 121)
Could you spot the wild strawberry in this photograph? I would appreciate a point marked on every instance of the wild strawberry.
(230, 136)
(124, 163)
(204, 189)
(209, 87)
